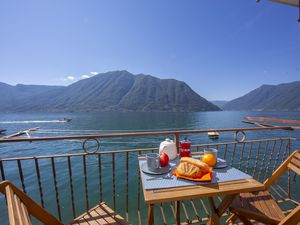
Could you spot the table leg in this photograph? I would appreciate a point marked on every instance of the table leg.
(150, 214)
(218, 212)
(177, 212)
(225, 204)
(214, 218)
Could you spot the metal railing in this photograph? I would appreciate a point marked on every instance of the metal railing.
(69, 184)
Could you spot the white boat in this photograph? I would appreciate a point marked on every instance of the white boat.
(213, 134)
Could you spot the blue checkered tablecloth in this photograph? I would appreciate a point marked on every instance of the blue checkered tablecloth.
(158, 182)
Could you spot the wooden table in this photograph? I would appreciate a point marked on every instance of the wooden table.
(228, 189)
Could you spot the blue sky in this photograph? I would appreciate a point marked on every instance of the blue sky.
(222, 49)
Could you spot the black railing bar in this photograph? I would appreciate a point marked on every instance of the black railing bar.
(2, 170)
(249, 156)
(113, 135)
(85, 183)
(270, 159)
(277, 156)
(114, 181)
(127, 187)
(38, 176)
(163, 214)
(71, 186)
(172, 209)
(185, 212)
(233, 154)
(21, 176)
(289, 172)
(100, 177)
(263, 160)
(56, 188)
(256, 158)
(241, 156)
(195, 210)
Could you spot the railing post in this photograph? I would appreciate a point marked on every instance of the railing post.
(177, 138)
(289, 171)
(2, 170)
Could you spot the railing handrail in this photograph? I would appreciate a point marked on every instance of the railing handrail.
(136, 150)
(130, 134)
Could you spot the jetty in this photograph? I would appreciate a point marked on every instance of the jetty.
(20, 133)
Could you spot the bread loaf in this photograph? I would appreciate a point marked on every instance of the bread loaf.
(192, 168)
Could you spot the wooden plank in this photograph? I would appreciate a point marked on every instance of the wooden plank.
(21, 133)
(257, 124)
(22, 212)
(295, 161)
(80, 221)
(113, 214)
(292, 218)
(18, 209)
(254, 215)
(27, 220)
(201, 191)
(100, 214)
(93, 219)
(297, 154)
(108, 218)
(294, 168)
(10, 206)
(33, 208)
(260, 204)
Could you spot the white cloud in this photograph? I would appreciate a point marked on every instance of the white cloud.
(94, 73)
(70, 78)
(85, 76)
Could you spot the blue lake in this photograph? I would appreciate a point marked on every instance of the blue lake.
(111, 122)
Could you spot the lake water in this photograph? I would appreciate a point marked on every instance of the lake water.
(90, 123)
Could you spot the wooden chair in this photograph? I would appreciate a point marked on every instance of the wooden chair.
(20, 207)
(261, 207)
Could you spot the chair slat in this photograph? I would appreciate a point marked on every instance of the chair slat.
(92, 219)
(297, 154)
(21, 212)
(11, 208)
(294, 168)
(108, 218)
(96, 217)
(296, 162)
(100, 214)
(27, 220)
(293, 218)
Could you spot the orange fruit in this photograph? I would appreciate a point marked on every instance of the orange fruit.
(209, 159)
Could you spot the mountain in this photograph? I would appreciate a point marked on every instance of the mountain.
(219, 103)
(269, 98)
(115, 91)
(11, 93)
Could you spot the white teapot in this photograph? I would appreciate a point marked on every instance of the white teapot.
(168, 146)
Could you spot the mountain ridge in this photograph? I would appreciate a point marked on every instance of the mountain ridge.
(115, 91)
(281, 97)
